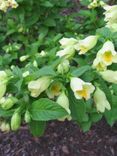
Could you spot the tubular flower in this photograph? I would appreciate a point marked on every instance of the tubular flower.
(101, 101)
(64, 102)
(68, 52)
(63, 67)
(107, 53)
(8, 102)
(66, 42)
(109, 76)
(13, 3)
(86, 44)
(81, 89)
(5, 4)
(111, 17)
(110, 13)
(38, 86)
(54, 89)
(100, 66)
(3, 80)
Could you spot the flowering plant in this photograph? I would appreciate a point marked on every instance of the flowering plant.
(48, 75)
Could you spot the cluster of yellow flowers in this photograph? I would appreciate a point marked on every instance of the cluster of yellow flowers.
(70, 45)
(111, 16)
(5, 4)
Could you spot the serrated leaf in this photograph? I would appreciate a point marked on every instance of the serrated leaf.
(78, 108)
(80, 71)
(45, 71)
(45, 110)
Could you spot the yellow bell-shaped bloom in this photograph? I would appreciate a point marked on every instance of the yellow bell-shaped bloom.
(105, 56)
(66, 42)
(68, 52)
(13, 3)
(64, 102)
(100, 66)
(86, 44)
(101, 101)
(81, 89)
(54, 89)
(109, 76)
(38, 86)
(110, 13)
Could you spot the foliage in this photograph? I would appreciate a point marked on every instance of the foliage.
(53, 65)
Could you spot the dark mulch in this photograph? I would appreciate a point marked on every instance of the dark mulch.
(62, 139)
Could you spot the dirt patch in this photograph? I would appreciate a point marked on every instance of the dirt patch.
(62, 139)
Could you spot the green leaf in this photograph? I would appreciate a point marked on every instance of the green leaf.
(80, 71)
(37, 128)
(105, 88)
(50, 22)
(4, 113)
(95, 117)
(114, 87)
(78, 108)
(45, 71)
(45, 110)
(47, 4)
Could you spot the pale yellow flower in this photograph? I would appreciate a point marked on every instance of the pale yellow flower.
(109, 76)
(63, 101)
(99, 65)
(110, 13)
(66, 42)
(63, 67)
(54, 89)
(68, 52)
(86, 44)
(81, 89)
(38, 86)
(101, 101)
(107, 54)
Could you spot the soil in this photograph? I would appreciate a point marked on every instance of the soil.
(62, 139)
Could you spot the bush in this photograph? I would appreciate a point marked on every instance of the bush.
(55, 65)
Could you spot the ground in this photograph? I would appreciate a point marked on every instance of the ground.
(62, 139)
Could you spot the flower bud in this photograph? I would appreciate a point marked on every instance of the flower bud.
(38, 86)
(15, 121)
(24, 58)
(109, 76)
(35, 64)
(27, 116)
(2, 89)
(25, 74)
(3, 75)
(7, 103)
(101, 101)
(64, 102)
(68, 52)
(63, 67)
(5, 127)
